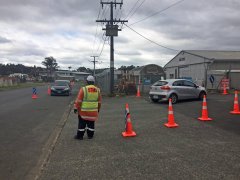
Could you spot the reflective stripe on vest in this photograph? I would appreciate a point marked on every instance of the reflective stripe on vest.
(90, 99)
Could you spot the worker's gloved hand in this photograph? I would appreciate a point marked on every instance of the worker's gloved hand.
(75, 111)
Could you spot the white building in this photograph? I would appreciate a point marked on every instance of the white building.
(70, 75)
(200, 65)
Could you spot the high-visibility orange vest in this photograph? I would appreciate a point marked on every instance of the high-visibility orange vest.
(90, 99)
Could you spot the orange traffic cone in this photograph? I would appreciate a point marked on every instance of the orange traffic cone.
(138, 92)
(126, 111)
(49, 90)
(235, 106)
(34, 96)
(128, 129)
(171, 123)
(224, 90)
(204, 111)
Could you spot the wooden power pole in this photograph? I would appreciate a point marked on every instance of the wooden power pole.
(112, 30)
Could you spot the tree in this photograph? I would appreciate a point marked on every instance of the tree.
(81, 69)
(127, 67)
(51, 64)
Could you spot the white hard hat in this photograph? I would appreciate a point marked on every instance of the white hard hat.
(90, 78)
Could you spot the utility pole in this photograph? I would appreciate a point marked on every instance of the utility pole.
(112, 30)
(94, 62)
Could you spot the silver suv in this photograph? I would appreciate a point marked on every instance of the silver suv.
(176, 89)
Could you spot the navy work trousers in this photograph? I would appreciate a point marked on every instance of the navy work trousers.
(83, 125)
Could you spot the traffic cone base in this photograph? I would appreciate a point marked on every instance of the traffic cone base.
(204, 119)
(235, 112)
(131, 134)
(34, 96)
(171, 125)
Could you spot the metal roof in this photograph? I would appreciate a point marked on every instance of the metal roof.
(215, 55)
(139, 68)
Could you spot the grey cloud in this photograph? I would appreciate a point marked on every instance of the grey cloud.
(4, 40)
(28, 52)
(201, 24)
(24, 51)
(70, 60)
(128, 53)
(121, 39)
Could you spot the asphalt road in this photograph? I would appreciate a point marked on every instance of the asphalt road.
(194, 150)
(25, 127)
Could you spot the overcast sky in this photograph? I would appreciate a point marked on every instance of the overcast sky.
(31, 30)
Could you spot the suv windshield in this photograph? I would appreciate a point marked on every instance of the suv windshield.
(60, 83)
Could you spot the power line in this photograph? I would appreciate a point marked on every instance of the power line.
(151, 40)
(102, 15)
(96, 31)
(174, 4)
(136, 9)
(105, 9)
(131, 9)
(102, 46)
(102, 38)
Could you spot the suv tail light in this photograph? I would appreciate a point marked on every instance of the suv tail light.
(165, 88)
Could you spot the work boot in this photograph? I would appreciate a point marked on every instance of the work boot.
(78, 137)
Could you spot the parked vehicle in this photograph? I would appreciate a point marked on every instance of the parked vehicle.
(176, 89)
(61, 87)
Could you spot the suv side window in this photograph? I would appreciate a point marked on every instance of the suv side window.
(178, 83)
(189, 84)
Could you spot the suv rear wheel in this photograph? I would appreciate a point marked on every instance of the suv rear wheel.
(201, 95)
(174, 98)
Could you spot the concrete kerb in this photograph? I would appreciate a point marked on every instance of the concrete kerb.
(48, 148)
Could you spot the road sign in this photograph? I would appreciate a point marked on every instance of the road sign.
(34, 90)
(211, 79)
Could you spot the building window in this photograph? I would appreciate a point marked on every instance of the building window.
(171, 76)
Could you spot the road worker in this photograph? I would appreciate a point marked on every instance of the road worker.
(87, 104)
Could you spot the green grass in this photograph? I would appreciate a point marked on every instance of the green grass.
(21, 85)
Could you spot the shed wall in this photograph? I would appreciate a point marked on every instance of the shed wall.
(225, 65)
